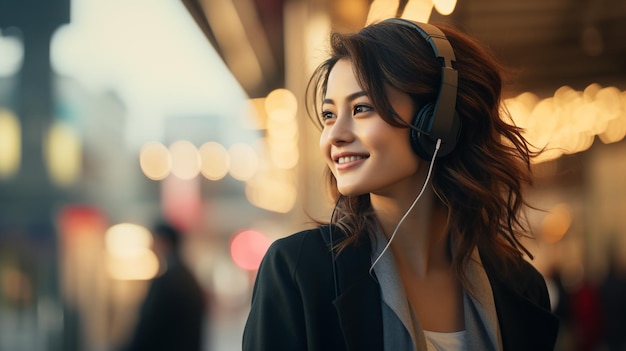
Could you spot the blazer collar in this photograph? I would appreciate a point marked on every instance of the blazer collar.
(360, 315)
(524, 325)
(358, 299)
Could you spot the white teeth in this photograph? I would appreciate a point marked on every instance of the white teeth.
(347, 159)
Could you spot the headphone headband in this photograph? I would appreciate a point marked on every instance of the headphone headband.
(442, 124)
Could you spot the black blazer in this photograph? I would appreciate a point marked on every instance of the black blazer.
(295, 305)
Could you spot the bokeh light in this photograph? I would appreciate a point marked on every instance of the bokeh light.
(568, 121)
(185, 159)
(63, 154)
(247, 249)
(381, 9)
(129, 256)
(155, 160)
(556, 223)
(271, 194)
(445, 7)
(214, 160)
(142, 266)
(127, 239)
(244, 161)
(10, 143)
(281, 99)
(12, 49)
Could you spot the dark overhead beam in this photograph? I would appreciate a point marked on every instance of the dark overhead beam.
(263, 28)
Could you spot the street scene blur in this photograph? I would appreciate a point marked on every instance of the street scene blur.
(151, 151)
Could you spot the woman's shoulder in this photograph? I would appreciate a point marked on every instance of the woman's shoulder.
(293, 247)
(509, 268)
(519, 275)
(296, 240)
(297, 258)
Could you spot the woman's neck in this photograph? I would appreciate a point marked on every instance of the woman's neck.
(421, 241)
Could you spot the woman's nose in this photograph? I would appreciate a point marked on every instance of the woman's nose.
(341, 132)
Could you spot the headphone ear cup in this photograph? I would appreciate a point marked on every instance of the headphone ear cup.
(422, 121)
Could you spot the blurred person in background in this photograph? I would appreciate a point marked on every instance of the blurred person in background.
(410, 261)
(172, 315)
(613, 299)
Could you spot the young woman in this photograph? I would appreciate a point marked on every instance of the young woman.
(423, 250)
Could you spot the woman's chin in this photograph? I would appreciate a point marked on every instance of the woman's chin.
(350, 191)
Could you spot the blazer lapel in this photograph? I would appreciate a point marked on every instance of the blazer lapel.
(360, 315)
(358, 302)
(524, 324)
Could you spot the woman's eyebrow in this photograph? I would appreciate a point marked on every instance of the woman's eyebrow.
(350, 97)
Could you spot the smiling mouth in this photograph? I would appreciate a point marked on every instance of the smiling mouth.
(346, 159)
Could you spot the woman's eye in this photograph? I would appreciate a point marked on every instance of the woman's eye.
(327, 115)
(361, 109)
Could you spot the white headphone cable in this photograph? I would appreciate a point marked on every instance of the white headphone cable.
(430, 169)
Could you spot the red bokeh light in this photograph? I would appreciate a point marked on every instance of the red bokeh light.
(247, 249)
(79, 220)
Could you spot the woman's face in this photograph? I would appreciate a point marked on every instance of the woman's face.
(365, 153)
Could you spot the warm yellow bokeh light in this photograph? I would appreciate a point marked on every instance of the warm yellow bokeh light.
(418, 10)
(316, 36)
(129, 256)
(615, 130)
(445, 7)
(215, 161)
(271, 195)
(155, 160)
(127, 239)
(63, 154)
(185, 159)
(142, 266)
(281, 99)
(381, 9)
(286, 132)
(569, 121)
(281, 115)
(244, 161)
(10, 143)
(556, 223)
(284, 157)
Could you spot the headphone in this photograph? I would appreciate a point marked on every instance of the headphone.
(438, 119)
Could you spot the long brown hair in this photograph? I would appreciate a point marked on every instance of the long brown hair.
(481, 182)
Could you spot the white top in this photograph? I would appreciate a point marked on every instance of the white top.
(445, 341)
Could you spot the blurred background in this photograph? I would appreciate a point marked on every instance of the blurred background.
(114, 114)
